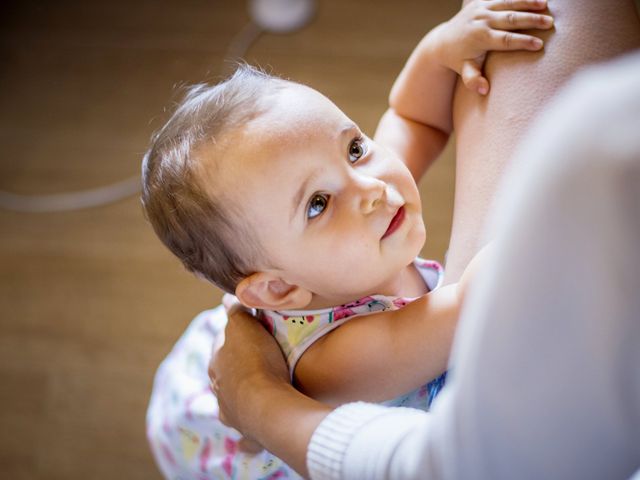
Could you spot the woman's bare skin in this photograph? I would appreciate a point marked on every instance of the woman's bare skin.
(489, 128)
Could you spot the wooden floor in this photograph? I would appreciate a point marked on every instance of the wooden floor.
(90, 300)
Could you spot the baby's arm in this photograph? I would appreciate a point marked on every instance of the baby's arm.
(380, 356)
(418, 122)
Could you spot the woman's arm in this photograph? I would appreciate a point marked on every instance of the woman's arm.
(418, 122)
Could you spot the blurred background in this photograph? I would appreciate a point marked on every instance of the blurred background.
(91, 301)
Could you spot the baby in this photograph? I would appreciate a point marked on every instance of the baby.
(265, 188)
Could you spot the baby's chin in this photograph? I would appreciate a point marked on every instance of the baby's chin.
(416, 240)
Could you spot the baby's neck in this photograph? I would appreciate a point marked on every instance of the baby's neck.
(407, 283)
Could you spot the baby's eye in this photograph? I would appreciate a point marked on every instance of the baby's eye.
(357, 149)
(317, 205)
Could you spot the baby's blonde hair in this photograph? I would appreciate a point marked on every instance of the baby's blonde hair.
(206, 236)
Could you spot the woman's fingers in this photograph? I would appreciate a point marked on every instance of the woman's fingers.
(231, 303)
(248, 353)
(248, 445)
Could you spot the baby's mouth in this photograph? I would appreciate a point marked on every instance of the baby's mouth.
(395, 223)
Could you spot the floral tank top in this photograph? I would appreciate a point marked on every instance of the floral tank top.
(296, 330)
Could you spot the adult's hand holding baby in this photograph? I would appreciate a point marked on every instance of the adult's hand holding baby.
(484, 25)
(246, 357)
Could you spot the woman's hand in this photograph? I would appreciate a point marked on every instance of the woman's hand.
(248, 358)
(462, 43)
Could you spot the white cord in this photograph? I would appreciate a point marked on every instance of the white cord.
(237, 49)
(243, 40)
(95, 197)
(60, 202)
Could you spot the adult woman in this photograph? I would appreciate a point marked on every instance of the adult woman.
(250, 383)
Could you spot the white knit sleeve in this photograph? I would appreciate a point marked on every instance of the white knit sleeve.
(357, 435)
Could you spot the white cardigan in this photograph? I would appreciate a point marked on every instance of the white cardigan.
(545, 373)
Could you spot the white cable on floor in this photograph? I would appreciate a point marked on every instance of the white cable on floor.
(60, 202)
(95, 197)
(238, 47)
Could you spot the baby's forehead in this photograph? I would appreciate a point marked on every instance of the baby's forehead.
(293, 122)
(298, 110)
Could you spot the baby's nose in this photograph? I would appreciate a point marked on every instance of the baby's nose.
(373, 194)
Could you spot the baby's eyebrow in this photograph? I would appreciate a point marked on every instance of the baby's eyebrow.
(347, 128)
(297, 198)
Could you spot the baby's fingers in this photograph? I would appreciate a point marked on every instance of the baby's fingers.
(511, 20)
(501, 40)
(472, 78)
(517, 4)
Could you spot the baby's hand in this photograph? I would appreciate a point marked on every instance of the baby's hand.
(484, 25)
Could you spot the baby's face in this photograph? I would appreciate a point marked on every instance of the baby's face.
(336, 213)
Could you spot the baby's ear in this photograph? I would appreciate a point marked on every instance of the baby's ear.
(267, 291)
